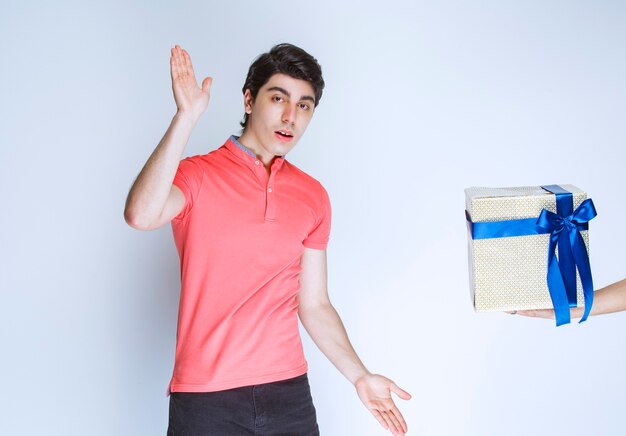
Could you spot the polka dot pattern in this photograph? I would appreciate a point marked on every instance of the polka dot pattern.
(510, 273)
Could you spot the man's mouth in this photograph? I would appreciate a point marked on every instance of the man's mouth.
(284, 135)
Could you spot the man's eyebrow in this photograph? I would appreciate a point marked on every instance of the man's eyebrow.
(284, 91)
(279, 89)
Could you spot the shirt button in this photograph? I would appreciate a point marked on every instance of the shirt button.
(269, 189)
(256, 162)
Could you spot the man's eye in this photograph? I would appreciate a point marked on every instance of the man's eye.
(305, 106)
(278, 98)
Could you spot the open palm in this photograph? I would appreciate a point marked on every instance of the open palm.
(375, 392)
(190, 98)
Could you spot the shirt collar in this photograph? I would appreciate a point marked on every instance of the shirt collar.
(247, 155)
(235, 140)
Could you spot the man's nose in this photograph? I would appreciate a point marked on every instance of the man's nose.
(289, 115)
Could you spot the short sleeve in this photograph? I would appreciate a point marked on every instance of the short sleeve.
(320, 233)
(188, 179)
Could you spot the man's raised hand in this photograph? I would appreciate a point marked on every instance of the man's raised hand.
(190, 99)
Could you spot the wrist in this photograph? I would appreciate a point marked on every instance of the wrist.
(185, 117)
(361, 375)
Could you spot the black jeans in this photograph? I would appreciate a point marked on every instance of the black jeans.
(279, 408)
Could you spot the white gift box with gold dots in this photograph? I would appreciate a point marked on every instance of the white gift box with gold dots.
(509, 273)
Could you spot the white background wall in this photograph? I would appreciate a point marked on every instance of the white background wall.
(422, 100)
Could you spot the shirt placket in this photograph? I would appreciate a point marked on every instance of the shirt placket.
(269, 186)
(270, 192)
(270, 198)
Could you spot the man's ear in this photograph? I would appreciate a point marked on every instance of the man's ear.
(248, 101)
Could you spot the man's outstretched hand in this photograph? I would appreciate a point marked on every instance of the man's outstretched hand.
(191, 99)
(375, 392)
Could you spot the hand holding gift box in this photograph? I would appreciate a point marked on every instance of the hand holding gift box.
(528, 249)
(609, 299)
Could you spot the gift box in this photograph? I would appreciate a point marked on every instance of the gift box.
(528, 248)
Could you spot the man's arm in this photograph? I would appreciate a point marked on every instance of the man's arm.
(153, 200)
(609, 299)
(321, 321)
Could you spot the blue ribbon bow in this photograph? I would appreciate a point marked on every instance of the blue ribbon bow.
(565, 231)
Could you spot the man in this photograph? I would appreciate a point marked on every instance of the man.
(251, 230)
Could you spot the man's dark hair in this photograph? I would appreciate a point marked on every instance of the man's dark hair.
(285, 59)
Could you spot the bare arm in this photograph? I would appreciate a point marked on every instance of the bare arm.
(609, 299)
(153, 200)
(322, 323)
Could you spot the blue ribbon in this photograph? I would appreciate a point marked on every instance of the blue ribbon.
(564, 228)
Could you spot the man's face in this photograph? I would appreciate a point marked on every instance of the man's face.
(279, 115)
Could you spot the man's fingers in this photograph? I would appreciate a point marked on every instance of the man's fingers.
(177, 57)
(179, 61)
(394, 419)
(182, 63)
(206, 84)
(380, 419)
(182, 70)
(390, 424)
(174, 65)
(400, 392)
(396, 413)
(186, 59)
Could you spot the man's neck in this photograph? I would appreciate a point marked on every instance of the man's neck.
(249, 143)
(267, 164)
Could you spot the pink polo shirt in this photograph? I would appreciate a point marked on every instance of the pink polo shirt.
(240, 238)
